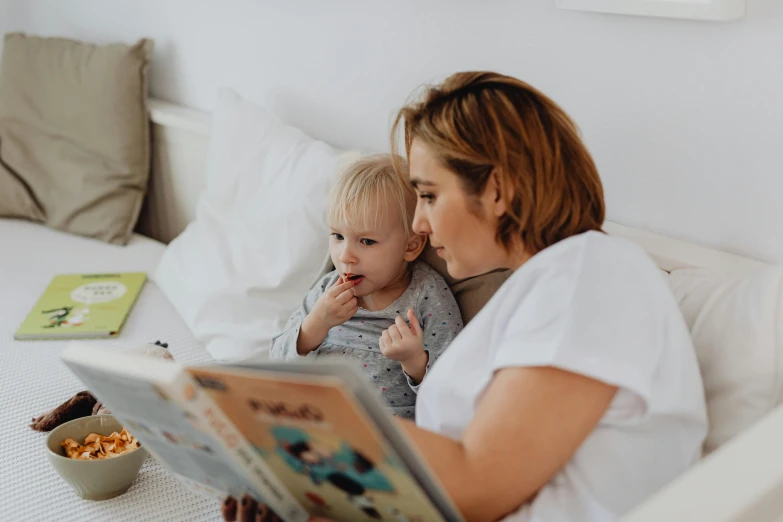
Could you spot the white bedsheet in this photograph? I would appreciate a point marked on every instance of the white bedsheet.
(33, 380)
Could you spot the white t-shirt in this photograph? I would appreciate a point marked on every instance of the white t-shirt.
(595, 305)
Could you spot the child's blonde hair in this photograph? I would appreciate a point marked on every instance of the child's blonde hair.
(368, 190)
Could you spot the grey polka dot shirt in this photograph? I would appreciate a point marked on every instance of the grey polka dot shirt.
(357, 339)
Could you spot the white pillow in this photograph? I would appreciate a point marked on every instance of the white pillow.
(259, 239)
(737, 329)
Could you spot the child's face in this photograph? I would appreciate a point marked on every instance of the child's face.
(375, 259)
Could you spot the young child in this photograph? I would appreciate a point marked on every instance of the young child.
(380, 306)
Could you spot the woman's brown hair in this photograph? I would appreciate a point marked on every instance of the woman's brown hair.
(478, 123)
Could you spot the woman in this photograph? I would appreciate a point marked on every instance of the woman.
(575, 393)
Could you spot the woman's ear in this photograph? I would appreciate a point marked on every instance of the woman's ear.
(415, 245)
(493, 197)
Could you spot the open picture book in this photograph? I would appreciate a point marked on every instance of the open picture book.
(307, 439)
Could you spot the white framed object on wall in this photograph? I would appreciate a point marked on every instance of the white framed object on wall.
(712, 10)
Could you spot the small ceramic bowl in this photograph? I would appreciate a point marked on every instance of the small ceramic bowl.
(93, 479)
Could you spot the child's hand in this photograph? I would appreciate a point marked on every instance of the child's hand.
(405, 344)
(336, 305)
(333, 308)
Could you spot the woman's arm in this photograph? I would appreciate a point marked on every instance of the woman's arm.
(526, 427)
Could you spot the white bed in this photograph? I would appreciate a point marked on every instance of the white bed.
(32, 379)
(739, 482)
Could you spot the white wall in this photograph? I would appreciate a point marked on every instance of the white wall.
(685, 119)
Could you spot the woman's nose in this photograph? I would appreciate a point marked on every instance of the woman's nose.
(420, 223)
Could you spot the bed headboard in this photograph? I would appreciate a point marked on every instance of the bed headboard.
(180, 138)
(179, 150)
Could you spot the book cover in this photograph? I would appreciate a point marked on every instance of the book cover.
(82, 306)
(320, 443)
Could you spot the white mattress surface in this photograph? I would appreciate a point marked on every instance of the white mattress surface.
(33, 380)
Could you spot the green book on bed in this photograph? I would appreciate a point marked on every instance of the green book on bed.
(80, 306)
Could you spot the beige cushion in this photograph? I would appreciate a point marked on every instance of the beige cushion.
(471, 293)
(74, 134)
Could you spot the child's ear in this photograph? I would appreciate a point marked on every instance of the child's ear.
(416, 243)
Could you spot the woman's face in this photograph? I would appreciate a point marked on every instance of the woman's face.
(461, 227)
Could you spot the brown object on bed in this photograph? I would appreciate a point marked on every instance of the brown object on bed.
(84, 403)
(80, 405)
(74, 134)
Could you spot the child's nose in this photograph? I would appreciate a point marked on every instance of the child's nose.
(347, 256)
